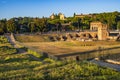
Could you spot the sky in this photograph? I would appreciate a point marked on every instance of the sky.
(40, 8)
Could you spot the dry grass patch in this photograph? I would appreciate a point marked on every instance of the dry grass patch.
(63, 47)
(42, 43)
(57, 48)
(31, 38)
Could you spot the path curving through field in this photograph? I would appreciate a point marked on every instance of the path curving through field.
(11, 39)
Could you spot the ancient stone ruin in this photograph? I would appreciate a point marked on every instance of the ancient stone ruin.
(98, 31)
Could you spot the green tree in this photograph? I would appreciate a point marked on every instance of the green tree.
(31, 26)
(118, 25)
(41, 24)
(11, 26)
(3, 26)
(74, 14)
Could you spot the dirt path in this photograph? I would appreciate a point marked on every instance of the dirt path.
(20, 50)
(13, 43)
(105, 64)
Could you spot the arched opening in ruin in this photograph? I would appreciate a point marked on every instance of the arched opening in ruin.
(58, 38)
(77, 35)
(65, 38)
(70, 35)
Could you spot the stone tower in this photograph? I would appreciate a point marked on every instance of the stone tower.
(52, 16)
(62, 17)
(103, 32)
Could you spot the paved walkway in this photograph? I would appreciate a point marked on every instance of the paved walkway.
(105, 64)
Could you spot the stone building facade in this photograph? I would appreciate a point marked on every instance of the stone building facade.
(52, 16)
(62, 17)
(102, 30)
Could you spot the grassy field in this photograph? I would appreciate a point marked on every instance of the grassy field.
(24, 67)
(15, 66)
(26, 38)
(33, 38)
(63, 47)
(74, 48)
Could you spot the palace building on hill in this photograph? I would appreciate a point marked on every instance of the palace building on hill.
(61, 16)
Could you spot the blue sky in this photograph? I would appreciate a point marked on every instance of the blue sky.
(39, 8)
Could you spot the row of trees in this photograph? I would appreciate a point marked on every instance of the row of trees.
(28, 24)
(112, 19)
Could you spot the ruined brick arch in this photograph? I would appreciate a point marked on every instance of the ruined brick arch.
(95, 25)
(94, 35)
(82, 35)
(118, 38)
(77, 35)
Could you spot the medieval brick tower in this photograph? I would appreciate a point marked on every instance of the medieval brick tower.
(101, 28)
(102, 32)
(62, 17)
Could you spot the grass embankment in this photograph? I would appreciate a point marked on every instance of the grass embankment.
(115, 57)
(24, 67)
(5, 47)
(32, 38)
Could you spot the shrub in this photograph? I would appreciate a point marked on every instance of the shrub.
(34, 53)
(3, 39)
(7, 58)
(48, 60)
(7, 50)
